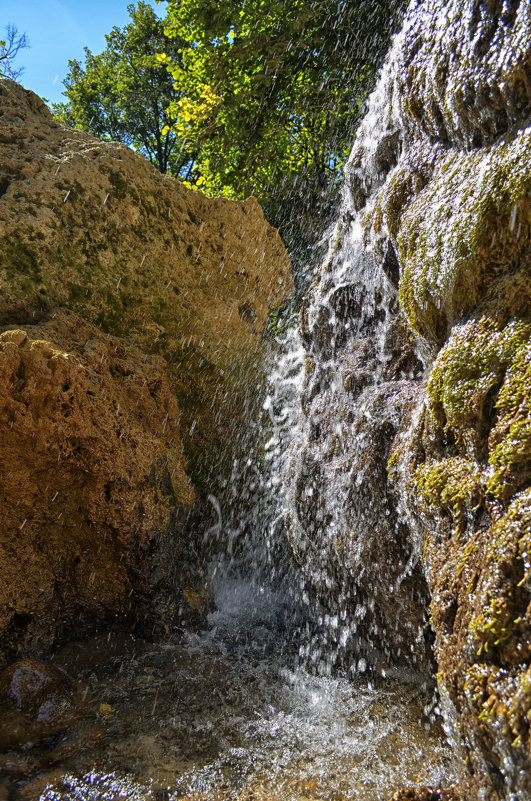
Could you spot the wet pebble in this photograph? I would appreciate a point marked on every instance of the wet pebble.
(37, 689)
(35, 702)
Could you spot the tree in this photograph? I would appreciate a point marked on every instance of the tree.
(9, 49)
(270, 94)
(123, 93)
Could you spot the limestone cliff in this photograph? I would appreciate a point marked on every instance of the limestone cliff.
(131, 319)
(418, 387)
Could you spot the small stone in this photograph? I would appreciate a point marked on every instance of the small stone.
(37, 689)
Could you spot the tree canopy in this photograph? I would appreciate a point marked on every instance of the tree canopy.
(124, 92)
(263, 98)
(270, 93)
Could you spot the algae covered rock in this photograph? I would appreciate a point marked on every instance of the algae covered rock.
(470, 462)
(463, 69)
(461, 224)
(436, 231)
(465, 230)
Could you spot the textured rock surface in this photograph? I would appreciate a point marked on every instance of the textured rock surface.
(443, 196)
(131, 319)
(424, 794)
(92, 470)
(96, 228)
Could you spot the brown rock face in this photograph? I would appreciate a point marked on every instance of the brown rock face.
(131, 319)
(92, 469)
(96, 228)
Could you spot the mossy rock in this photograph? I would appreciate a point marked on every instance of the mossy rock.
(454, 483)
(479, 396)
(510, 440)
(469, 226)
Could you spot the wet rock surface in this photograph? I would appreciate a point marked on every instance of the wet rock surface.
(434, 236)
(35, 702)
(424, 794)
(409, 474)
(30, 686)
(145, 727)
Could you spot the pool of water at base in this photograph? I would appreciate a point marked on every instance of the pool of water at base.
(217, 716)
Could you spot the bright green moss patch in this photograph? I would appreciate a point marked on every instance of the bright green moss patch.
(510, 440)
(503, 623)
(479, 405)
(468, 372)
(455, 484)
(469, 225)
(494, 627)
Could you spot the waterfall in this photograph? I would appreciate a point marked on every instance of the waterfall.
(361, 378)
(363, 541)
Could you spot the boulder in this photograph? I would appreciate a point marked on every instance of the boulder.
(35, 702)
(93, 227)
(132, 315)
(92, 475)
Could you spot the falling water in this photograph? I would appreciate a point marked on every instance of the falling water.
(258, 705)
(313, 677)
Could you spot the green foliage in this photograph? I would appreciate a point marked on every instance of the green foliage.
(124, 92)
(263, 99)
(271, 91)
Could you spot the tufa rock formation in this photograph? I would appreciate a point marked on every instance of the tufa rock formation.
(131, 311)
(92, 470)
(425, 301)
(95, 228)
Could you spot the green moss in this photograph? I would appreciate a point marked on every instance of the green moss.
(119, 185)
(479, 417)
(76, 293)
(454, 484)
(503, 621)
(378, 218)
(493, 628)
(468, 372)
(510, 440)
(406, 182)
(468, 226)
(20, 260)
(392, 463)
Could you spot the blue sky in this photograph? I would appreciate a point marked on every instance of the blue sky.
(58, 30)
